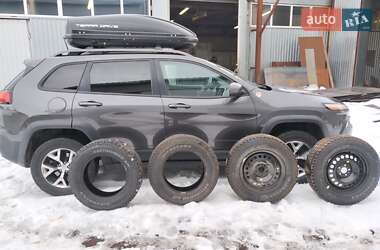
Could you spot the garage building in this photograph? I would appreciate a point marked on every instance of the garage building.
(35, 28)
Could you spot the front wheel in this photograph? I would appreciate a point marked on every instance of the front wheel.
(51, 163)
(300, 143)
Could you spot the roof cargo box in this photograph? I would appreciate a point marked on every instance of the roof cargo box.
(137, 31)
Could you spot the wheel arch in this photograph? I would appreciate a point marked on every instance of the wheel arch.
(41, 136)
(311, 126)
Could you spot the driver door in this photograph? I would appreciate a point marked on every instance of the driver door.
(196, 101)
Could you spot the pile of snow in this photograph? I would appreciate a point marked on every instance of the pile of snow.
(365, 118)
(30, 219)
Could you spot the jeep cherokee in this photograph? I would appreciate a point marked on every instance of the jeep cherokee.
(60, 103)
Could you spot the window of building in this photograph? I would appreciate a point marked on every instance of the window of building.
(192, 80)
(135, 6)
(296, 19)
(266, 11)
(76, 8)
(121, 77)
(42, 7)
(284, 16)
(11, 6)
(105, 7)
(281, 16)
(65, 78)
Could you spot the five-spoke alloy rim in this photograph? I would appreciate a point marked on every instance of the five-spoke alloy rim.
(301, 151)
(55, 167)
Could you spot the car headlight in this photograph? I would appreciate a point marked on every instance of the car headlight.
(338, 107)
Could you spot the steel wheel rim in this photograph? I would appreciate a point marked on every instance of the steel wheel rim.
(56, 165)
(301, 151)
(346, 170)
(261, 170)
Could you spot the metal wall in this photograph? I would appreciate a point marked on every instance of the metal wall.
(46, 36)
(34, 37)
(373, 73)
(280, 45)
(342, 50)
(14, 48)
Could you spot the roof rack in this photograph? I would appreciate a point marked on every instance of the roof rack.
(87, 52)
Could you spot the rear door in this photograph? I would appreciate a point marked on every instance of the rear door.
(196, 101)
(120, 99)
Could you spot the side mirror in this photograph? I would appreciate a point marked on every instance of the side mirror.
(236, 90)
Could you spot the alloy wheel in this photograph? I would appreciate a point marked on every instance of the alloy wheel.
(301, 151)
(56, 165)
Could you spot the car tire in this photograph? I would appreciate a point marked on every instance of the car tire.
(118, 149)
(261, 168)
(343, 170)
(300, 142)
(182, 144)
(45, 176)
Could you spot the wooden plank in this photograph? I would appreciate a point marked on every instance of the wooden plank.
(317, 44)
(323, 78)
(331, 82)
(322, 71)
(311, 66)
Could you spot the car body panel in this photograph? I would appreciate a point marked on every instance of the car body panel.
(147, 120)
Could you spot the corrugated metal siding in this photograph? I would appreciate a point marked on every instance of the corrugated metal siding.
(303, 2)
(342, 50)
(46, 36)
(280, 45)
(374, 44)
(14, 48)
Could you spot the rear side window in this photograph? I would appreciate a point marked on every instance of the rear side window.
(65, 78)
(121, 78)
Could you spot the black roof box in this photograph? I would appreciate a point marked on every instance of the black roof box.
(137, 31)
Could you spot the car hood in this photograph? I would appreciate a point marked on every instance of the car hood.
(292, 98)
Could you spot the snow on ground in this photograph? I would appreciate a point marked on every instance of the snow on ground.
(30, 219)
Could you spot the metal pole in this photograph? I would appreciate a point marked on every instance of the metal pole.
(259, 22)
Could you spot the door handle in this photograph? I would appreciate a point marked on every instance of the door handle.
(90, 104)
(179, 106)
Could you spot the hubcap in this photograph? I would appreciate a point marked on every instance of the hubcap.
(301, 151)
(55, 167)
(346, 170)
(261, 170)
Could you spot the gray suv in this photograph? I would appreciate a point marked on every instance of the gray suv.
(60, 103)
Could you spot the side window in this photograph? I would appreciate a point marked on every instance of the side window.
(188, 79)
(65, 78)
(121, 78)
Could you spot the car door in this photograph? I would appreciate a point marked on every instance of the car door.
(120, 99)
(196, 101)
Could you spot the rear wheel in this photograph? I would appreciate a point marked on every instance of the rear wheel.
(51, 163)
(300, 143)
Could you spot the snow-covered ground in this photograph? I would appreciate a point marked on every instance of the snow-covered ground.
(30, 219)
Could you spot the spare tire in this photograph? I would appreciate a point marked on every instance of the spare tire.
(118, 162)
(261, 168)
(182, 144)
(343, 170)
